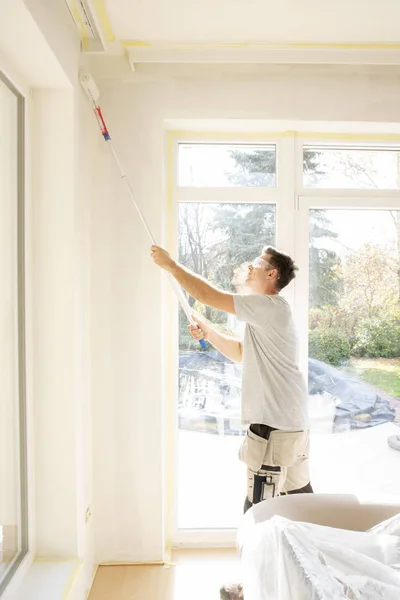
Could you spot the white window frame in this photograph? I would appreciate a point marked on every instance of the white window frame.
(351, 142)
(305, 204)
(24, 508)
(281, 196)
(293, 202)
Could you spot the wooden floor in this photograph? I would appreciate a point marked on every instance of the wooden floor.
(195, 575)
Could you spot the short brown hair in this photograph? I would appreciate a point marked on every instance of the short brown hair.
(284, 264)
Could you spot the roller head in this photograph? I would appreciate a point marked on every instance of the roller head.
(89, 86)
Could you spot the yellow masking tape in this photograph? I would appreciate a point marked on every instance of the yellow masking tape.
(156, 563)
(355, 137)
(81, 25)
(92, 582)
(104, 22)
(54, 560)
(169, 405)
(262, 45)
(72, 579)
(136, 44)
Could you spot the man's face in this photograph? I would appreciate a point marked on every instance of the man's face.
(258, 271)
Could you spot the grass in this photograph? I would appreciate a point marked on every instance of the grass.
(383, 373)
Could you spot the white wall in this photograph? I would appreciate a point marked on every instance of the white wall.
(127, 289)
(61, 150)
(54, 264)
(62, 191)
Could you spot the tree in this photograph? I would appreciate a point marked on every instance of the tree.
(196, 251)
(325, 271)
(258, 168)
(246, 228)
(363, 172)
(370, 284)
(215, 240)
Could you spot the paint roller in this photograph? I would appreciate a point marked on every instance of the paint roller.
(93, 94)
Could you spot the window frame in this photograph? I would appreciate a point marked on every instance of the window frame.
(346, 142)
(277, 196)
(293, 202)
(23, 458)
(305, 204)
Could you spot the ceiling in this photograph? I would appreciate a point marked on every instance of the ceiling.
(318, 21)
(247, 32)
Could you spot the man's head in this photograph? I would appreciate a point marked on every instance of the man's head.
(270, 272)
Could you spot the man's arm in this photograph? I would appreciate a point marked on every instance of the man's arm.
(229, 346)
(196, 286)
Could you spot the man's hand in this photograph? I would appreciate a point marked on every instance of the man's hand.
(195, 285)
(201, 332)
(162, 258)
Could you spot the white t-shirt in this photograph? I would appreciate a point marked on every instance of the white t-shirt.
(274, 391)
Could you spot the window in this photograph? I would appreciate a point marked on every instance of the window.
(217, 241)
(233, 199)
(227, 211)
(351, 168)
(220, 165)
(13, 504)
(354, 345)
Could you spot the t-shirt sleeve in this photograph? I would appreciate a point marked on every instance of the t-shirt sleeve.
(255, 309)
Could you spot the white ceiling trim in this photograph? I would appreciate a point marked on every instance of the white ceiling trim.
(263, 53)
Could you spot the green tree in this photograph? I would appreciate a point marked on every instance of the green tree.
(362, 170)
(325, 279)
(258, 168)
(245, 228)
(215, 240)
(370, 282)
(325, 272)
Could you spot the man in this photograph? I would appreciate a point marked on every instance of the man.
(274, 392)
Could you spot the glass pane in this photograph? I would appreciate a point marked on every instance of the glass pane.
(354, 349)
(351, 168)
(217, 241)
(219, 165)
(10, 459)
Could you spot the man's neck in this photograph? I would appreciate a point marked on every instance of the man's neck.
(269, 292)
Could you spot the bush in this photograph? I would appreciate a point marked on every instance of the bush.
(378, 338)
(318, 317)
(328, 345)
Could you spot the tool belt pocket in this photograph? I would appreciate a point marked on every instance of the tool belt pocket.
(253, 451)
(285, 448)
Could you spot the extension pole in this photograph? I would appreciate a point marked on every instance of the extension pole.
(92, 92)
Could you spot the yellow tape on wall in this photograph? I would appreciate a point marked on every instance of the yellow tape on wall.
(104, 22)
(81, 25)
(170, 404)
(308, 135)
(365, 46)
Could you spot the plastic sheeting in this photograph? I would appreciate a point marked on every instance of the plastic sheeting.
(357, 404)
(287, 560)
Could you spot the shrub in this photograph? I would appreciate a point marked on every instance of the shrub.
(328, 345)
(318, 317)
(378, 338)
